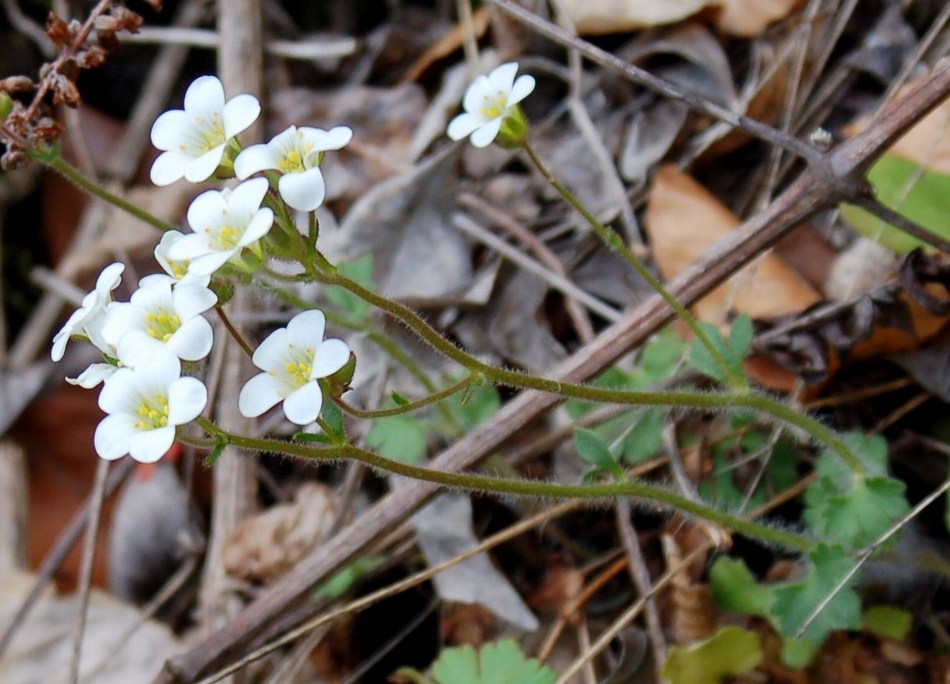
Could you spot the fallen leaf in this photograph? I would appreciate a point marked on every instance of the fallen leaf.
(444, 530)
(618, 16)
(747, 18)
(683, 220)
(270, 543)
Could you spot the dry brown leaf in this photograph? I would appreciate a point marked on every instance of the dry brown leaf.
(927, 143)
(617, 16)
(747, 18)
(447, 44)
(269, 544)
(683, 220)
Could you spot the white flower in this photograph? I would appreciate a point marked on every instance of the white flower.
(87, 320)
(144, 406)
(488, 101)
(296, 153)
(193, 139)
(157, 316)
(293, 358)
(177, 269)
(224, 223)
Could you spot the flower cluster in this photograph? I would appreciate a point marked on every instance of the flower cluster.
(144, 340)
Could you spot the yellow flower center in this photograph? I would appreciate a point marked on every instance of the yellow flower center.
(152, 412)
(179, 268)
(296, 371)
(212, 133)
(493, 107)
(162, 325)
(224, 238)
(293, 160)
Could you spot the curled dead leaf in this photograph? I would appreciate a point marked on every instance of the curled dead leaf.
(269, 544)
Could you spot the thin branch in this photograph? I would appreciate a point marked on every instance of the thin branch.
(659, 85)
(898, 220)
(96, 500)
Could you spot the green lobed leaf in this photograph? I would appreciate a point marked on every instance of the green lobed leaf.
(795, 602)
(400, 438)
(340, 583)
(888, 621)
(870, 449)
(920, 194)
(498, 662)
(856, 519)
(730, 651)
(740, 340)
(645, 438)
(473, 407)
(359, 270)
(592, 449)
(735, 589)
(701, 359)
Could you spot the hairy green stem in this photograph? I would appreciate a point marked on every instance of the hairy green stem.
(615, 242)
(408, 407)
(687, 398)
(50, 157)
(229, 326)
(534, 488)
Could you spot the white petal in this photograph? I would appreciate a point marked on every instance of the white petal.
(155, 376)
(503, 77)
(302, 406)
(204, 97)
(334, 139)
(187, 398)
(189, 247)
(330, 357)
(168, 168)
(271, 353)
(193, 340)
(118, 393)
(206, 210)
(208, 263)
(121, 318)
(109, 279)
(476, 93)
(247, 197)
(255, 158)
(113, 435)
(71, 327)
(258, 227)
(152, 293)
(306, 328)
(92, 376)
(463, 125)
(201, 168)
(191, 300)
(304, 191)
(168, 129)
(483, 136)
(138, 348)
(154, 279)
(148, 446)
(521, 89)
(259, 394)
(239, 113)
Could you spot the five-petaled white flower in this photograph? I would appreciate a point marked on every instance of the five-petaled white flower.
(144, 406)
(161, 316)
(225, 222)
(488, 102)
(177, 269)
(293, 358)
(87, 320)
(193, 138)
(296, 153)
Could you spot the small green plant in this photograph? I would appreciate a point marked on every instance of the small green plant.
(498, 662)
